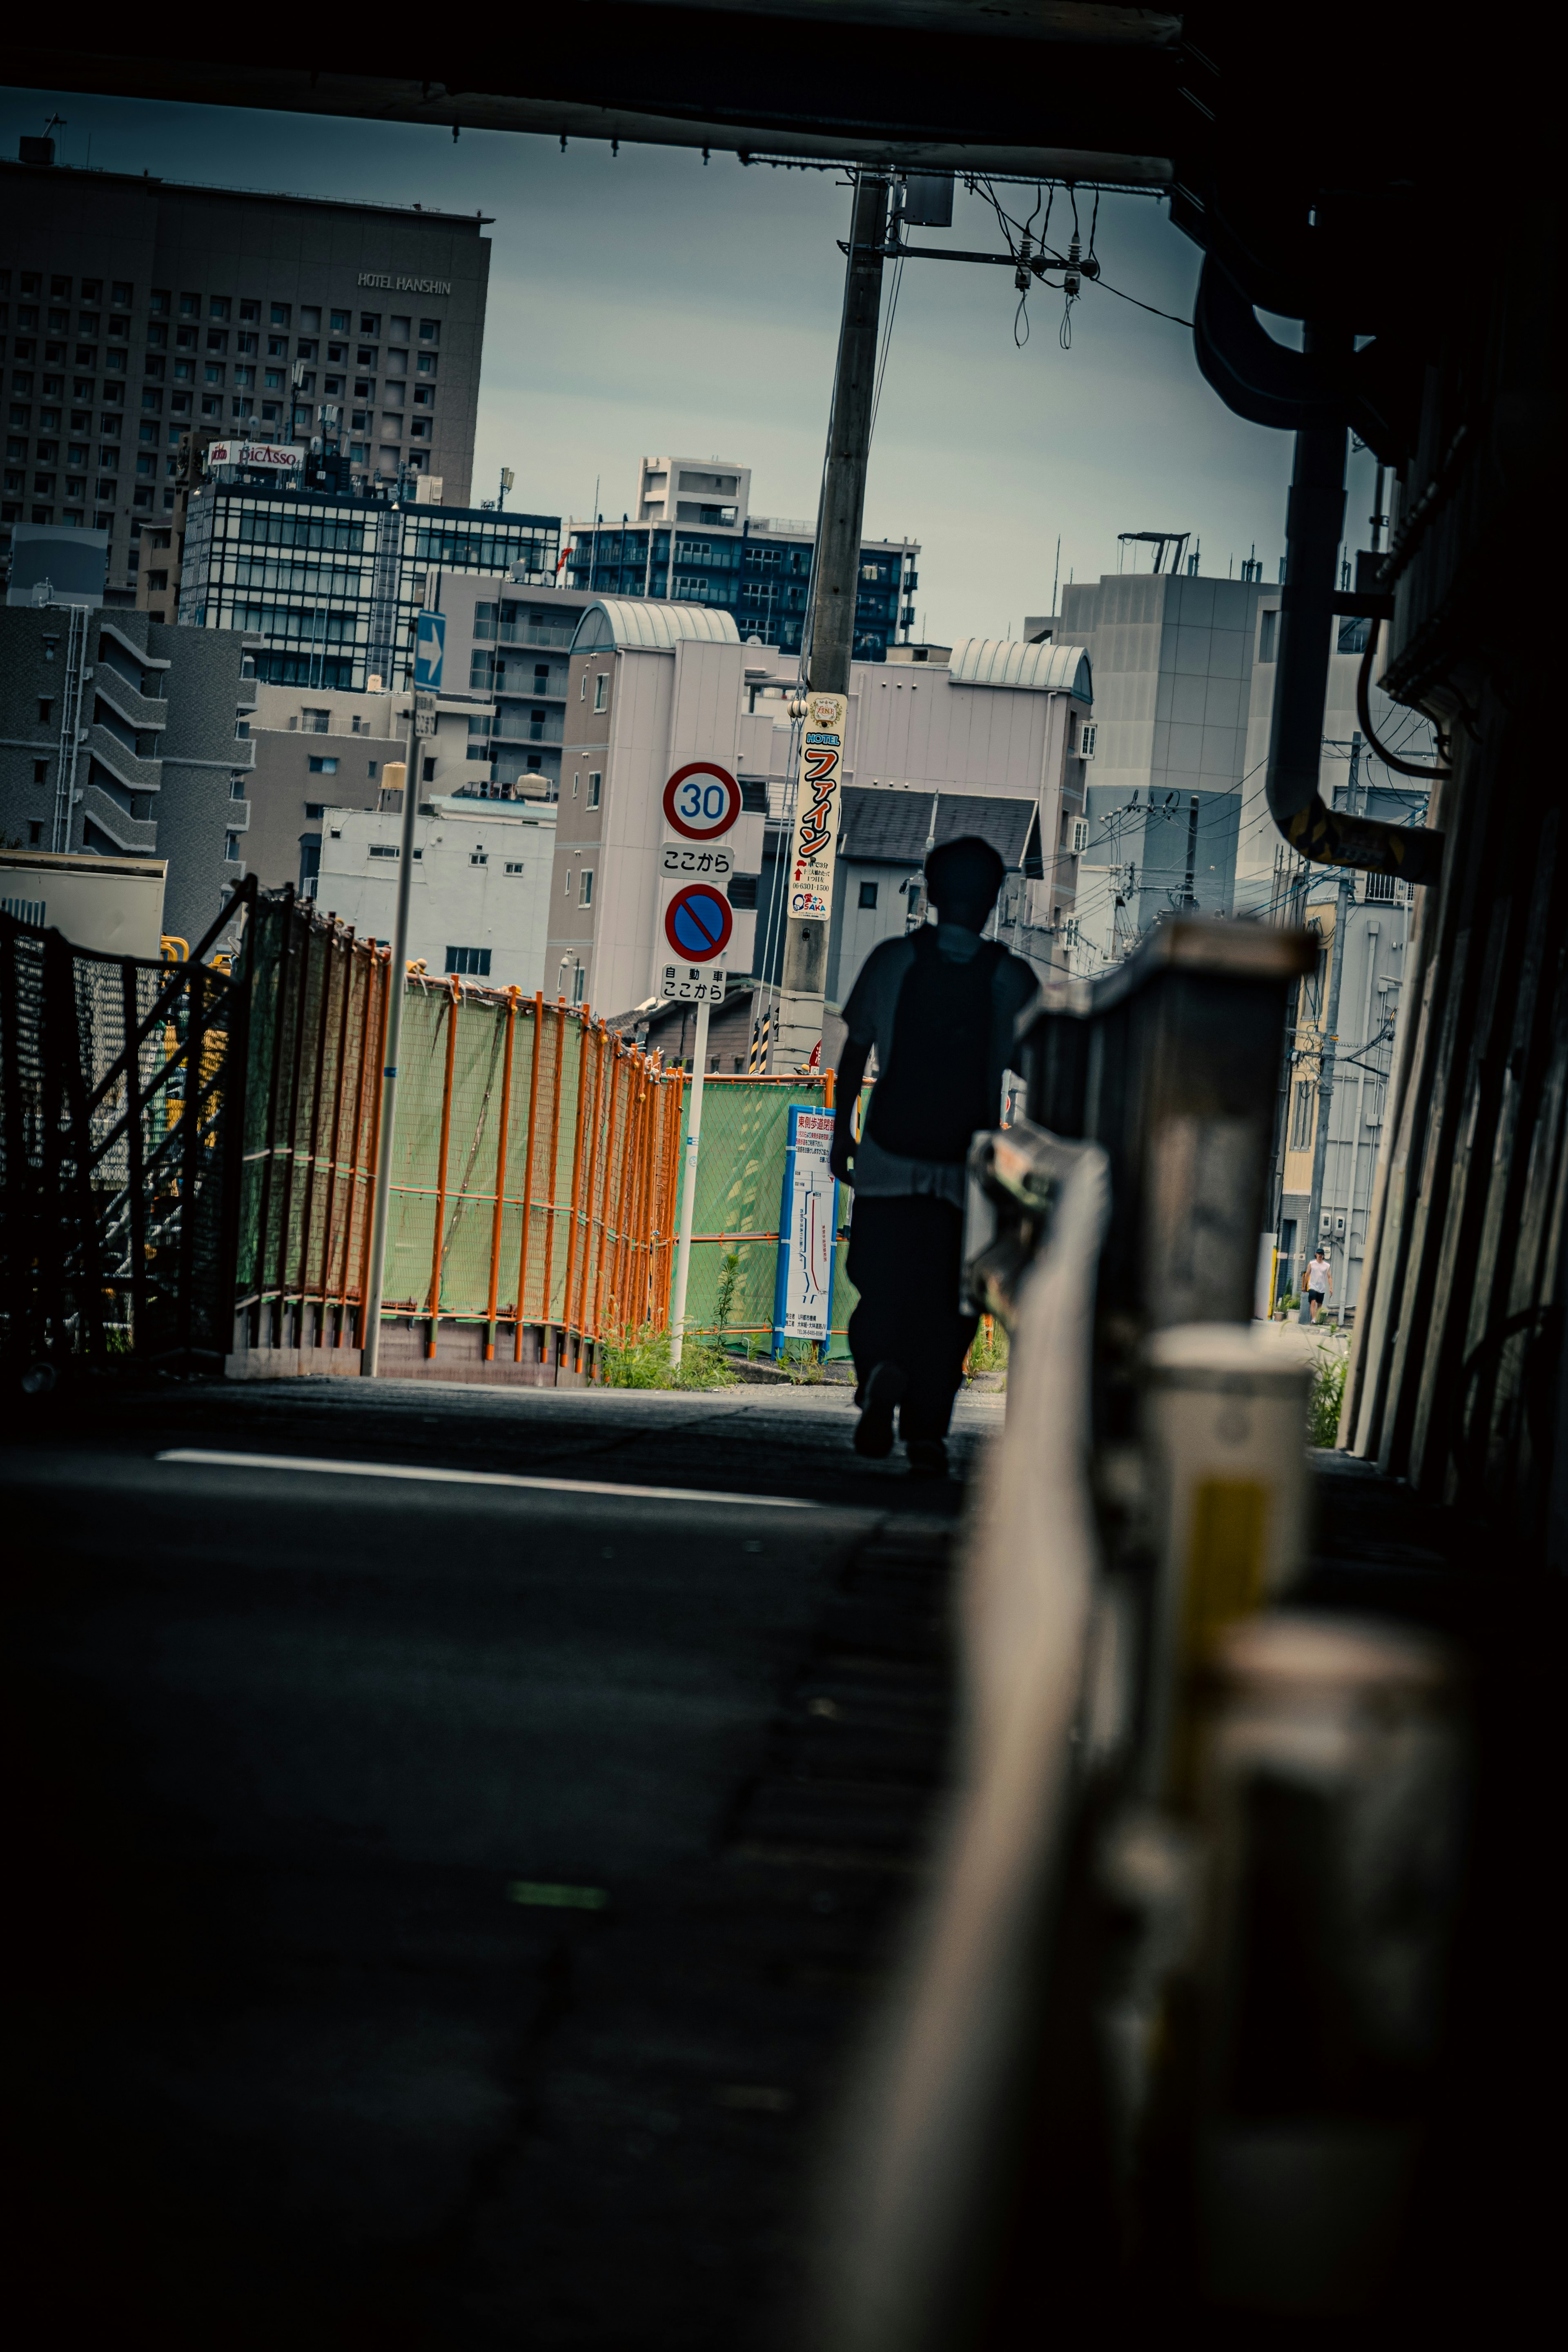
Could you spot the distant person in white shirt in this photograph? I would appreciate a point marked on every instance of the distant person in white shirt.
(1319, 1283)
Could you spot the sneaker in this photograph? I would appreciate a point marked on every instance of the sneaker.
(928, 1456)
(880, 1394)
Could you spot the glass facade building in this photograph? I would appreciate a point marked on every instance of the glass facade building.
(757, 568)
(332, 585)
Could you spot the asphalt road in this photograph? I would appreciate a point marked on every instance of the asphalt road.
(445, 1910)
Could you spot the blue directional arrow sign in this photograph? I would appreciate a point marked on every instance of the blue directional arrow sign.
(429, 651)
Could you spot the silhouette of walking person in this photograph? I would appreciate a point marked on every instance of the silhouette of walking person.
(939, 1005)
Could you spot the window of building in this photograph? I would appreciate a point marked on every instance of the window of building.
(472, 963)
(219, 307)
(1087, 733)
(1352, 636)
(281, 313)
(323, 767)
(515, 866)
(120, 295)
(595, 781)
(742, 891)
(1267, 634)
(601, 691)
(40, 772)
(371, 770)
(231, 848)
(36, 834)
(190, 306)
(479, 857)
(1381, 889)
(429, 330)
(387, 849)
(585, 887)
(45, 709)
(867, 894)
(316, 722)
(314, 808)
(370, 322)
(1303, 1107)
(429, 771)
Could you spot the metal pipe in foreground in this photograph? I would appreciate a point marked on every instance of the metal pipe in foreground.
(1314, 528)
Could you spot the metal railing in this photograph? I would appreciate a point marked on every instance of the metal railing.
(117, 1168)
(533, 1166)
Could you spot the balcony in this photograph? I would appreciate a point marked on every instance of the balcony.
(136, 837)
(136, 775)
(523, 633)
(517, 727)
(138, 711)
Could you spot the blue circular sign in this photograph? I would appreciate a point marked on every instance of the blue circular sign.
(698, 922)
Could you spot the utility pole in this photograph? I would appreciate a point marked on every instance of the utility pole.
(688, 1185)
(830, 625)
(1329, 1035)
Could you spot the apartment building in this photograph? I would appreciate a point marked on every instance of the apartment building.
(511, 641)
(121, 738)
(135, 310)
(694, 539)
(313, 748)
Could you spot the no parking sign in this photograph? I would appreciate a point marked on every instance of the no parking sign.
(698, 922)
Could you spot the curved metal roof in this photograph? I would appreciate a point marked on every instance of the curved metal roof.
(631, 621)
(1043, 669)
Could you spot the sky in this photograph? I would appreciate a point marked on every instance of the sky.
(648, 304)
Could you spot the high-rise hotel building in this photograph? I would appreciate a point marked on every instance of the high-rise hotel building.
(134, 311)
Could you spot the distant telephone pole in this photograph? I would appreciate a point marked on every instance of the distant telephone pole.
(1329, 1039)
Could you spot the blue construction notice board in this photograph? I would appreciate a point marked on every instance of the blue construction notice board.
(808, 1231)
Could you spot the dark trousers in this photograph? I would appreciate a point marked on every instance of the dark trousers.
(904, 1260)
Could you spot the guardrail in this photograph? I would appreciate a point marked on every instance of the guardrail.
(1163, 2040)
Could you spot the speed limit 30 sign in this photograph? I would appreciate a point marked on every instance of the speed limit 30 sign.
(701, 800)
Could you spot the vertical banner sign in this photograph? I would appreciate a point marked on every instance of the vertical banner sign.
(808, 1231)
(815, 846)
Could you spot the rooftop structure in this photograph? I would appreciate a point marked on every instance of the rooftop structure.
(693, 540)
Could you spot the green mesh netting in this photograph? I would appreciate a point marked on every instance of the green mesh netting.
(739, 1185)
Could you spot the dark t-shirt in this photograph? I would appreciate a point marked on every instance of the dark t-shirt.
(964, 1033)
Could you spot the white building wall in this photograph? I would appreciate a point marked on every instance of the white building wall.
(463, 894)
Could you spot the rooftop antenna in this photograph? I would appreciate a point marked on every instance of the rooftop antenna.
(1055, 576)
(1159, 541)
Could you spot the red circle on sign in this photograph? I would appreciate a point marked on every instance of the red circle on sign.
(698, 922)
(698, 822)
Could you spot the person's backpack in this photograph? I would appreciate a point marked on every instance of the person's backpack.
(936, 1089)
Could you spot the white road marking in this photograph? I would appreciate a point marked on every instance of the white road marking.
(298, 1463)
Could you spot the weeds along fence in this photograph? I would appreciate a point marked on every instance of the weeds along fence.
(119, 1175)
(535, 1170)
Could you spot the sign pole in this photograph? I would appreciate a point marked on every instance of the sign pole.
(421, 707)
(688, 1194)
